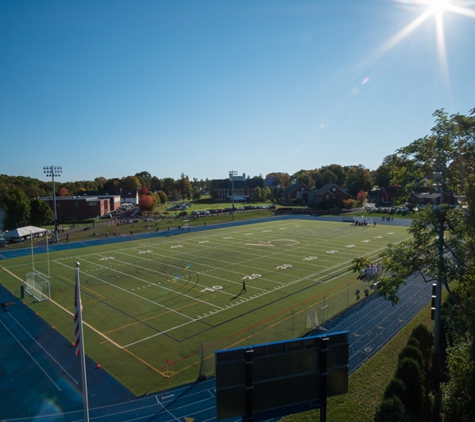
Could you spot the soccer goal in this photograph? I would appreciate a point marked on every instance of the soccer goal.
(37, 285)
(312, 319)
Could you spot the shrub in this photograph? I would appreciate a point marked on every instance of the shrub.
(395, 388)
(413, 353)
(426, 341)
(410, 373)
(390, 410)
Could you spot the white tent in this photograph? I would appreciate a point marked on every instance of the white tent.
(23, 232)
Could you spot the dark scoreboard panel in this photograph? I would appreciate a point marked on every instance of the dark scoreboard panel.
(276, 379)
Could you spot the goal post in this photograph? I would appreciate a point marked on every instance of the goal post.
(312, 319)
(37, 285)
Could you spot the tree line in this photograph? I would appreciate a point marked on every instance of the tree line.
(439, 386)
(19, 204)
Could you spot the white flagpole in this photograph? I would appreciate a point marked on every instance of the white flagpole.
(32, 254)
(80, 339)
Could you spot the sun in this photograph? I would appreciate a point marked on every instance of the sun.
(435, 9)
(437, 6)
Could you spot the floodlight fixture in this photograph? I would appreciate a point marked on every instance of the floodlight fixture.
(232, 173)
(54, 171)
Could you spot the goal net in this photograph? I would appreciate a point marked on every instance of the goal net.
(37, 286)
(312, 319)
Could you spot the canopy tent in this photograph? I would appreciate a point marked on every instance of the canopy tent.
(24, 231)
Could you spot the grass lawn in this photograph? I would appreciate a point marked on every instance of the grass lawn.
(166, 298)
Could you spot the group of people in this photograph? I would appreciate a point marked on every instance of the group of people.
(371, 271)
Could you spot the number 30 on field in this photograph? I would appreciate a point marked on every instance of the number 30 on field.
(211, 289)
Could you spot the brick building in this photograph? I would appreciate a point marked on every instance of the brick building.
(72, 208)
(222, 189)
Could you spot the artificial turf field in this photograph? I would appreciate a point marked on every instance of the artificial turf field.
(180, 298)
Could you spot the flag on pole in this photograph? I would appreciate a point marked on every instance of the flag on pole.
(77, 319)
(79, 341)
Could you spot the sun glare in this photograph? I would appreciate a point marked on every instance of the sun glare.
(431, 8)
(437, 6)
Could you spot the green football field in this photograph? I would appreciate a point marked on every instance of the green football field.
(179, 298)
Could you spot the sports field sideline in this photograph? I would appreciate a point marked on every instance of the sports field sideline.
(180, 298)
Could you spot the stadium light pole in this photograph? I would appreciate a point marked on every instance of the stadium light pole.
(232, 173)
(54, 171)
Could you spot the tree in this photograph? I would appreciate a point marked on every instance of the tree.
(196, 193)
(425, 340)
(146, 203)
(395, 388)
(145, 178)
(156, 184)
(281, 179)
(184, 187)
(257, 195)
(113, 186)
(327, 176)
(442, 247)
(339, 172)
(306, 178)
(390, 410)
(16, 206)
(458, 392)
(100, 182)
(358, 178)
(130, 183)
(168, 185)
(361, 197)
(41, 213)
(410, 373)
(266, 194)
(63, 192)
(349, 203)
(163, 196)
(142, 191)
(382, 176)
(35, 191)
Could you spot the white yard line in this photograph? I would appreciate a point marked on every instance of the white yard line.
(132, 293)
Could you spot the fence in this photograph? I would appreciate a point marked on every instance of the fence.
(298, 321)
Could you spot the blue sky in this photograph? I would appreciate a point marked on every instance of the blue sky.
(113, 88)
